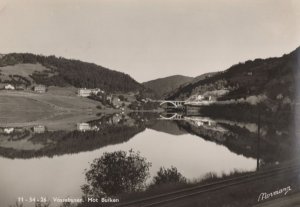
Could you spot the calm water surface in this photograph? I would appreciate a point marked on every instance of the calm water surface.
(182, 147)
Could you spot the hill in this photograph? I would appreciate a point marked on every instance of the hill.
(275, 78)
(163, 86)
(194, 80)
(27, 69)
(204, 76)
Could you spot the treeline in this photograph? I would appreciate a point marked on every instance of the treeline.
(65, 72)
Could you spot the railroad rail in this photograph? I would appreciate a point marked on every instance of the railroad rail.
(201, 189)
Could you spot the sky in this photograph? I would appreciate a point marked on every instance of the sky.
(150, 39)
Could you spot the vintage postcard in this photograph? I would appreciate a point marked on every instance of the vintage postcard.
(165, 103)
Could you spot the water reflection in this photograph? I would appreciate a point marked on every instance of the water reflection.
(88, 136)
(270, 142)
(275, 140)
(195, 145)
(83, 127)
(39, 129)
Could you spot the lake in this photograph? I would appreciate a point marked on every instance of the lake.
(36, 161)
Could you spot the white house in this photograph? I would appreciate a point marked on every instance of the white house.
(39, 129)
(83, 127)
(9, 87)
(199, 123)
(203, 98)
(86, 127)
(85, 92)
(8, 130)
(40, 88)
(200, 98)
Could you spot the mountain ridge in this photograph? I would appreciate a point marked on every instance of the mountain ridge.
(70, 72)
(163, 86)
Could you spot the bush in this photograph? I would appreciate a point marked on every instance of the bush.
(170, 175)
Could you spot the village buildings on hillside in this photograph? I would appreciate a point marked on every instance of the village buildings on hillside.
(40, 89)
(85, 92)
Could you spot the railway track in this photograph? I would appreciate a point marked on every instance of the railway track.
(201, 189)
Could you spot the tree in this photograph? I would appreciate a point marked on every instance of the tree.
(170, 175)
(121, 97)
(115, 173)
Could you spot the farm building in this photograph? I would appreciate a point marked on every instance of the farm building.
(8, 130)
(203, 98)
(9, 87)
(40, 89)
(85, 92)
(39, 129)
(200, 98)
(86, 127)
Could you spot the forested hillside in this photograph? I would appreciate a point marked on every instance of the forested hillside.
(68, 72)
(163, 86)
(191, 81)
(274, 77)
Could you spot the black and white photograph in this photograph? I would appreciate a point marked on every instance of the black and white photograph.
(149, 103)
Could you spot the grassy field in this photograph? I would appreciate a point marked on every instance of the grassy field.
(18, 107)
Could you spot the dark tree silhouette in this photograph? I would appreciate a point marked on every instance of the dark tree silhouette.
(169, 175)
(116, 173)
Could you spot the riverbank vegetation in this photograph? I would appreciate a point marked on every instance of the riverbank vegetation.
(169, 180)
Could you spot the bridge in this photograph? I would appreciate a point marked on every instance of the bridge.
(176, 104)
(179, 104)
(177, 116)
(172, 116)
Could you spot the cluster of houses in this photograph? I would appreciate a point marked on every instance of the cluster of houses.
(112, 99)
(84, 127)
(36, 88)
(82, 92)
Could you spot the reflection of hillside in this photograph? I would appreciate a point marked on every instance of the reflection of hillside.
(63, 142)
(275, 143)
(208, 132)
(170, 127)
(18, 138)
(13, 133)
(153, 121)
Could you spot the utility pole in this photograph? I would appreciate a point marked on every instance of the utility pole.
(258, 139)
